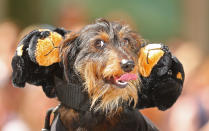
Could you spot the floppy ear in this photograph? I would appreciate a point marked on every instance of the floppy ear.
(37, 59)
(162, 77)
(69, 51)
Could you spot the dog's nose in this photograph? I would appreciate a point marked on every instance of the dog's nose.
(127, 65)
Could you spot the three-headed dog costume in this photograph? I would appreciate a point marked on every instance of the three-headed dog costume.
(102, 75)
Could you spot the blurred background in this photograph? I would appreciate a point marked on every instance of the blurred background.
(181, 24)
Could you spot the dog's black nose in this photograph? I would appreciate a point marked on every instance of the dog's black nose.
(127, 65)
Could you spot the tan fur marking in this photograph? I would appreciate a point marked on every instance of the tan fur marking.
(112, 66)
(70, 116)
(111, 121)
(67, 117)
(104, 36)
(108, 96)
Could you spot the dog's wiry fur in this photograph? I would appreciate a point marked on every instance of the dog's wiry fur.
(97, 67)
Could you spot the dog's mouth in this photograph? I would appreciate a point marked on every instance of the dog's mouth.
(122, 80)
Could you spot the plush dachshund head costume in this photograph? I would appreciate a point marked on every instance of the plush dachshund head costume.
(104, 68)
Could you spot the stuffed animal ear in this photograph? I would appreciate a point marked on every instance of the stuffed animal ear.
(162, 77)
(36, 60)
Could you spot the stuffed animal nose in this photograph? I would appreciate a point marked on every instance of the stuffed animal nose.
(127, 65)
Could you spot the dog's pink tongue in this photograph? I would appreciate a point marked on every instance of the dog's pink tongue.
(128, 77)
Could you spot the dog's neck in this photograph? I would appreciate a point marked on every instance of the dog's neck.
(70, 93)
(89, 120)
(75, 110)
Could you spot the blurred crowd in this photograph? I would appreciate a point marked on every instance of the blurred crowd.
(24, 109)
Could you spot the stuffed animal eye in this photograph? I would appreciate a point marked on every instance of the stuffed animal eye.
(99, 44)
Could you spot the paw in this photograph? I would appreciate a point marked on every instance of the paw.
(162, 76)
(37, 59)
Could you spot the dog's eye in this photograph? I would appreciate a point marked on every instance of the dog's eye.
(126, 41)
(99, 44)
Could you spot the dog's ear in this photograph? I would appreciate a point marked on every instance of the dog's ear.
(37, 59)
(162, 77)
(69, 51)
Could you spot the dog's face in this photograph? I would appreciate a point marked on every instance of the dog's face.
(105, 55)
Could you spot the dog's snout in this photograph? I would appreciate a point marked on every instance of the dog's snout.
(127, 65)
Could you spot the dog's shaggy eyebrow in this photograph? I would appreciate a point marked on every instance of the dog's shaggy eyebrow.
(123, 30)
(104, 36)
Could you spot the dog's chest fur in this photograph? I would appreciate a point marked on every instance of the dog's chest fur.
(126, 120)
